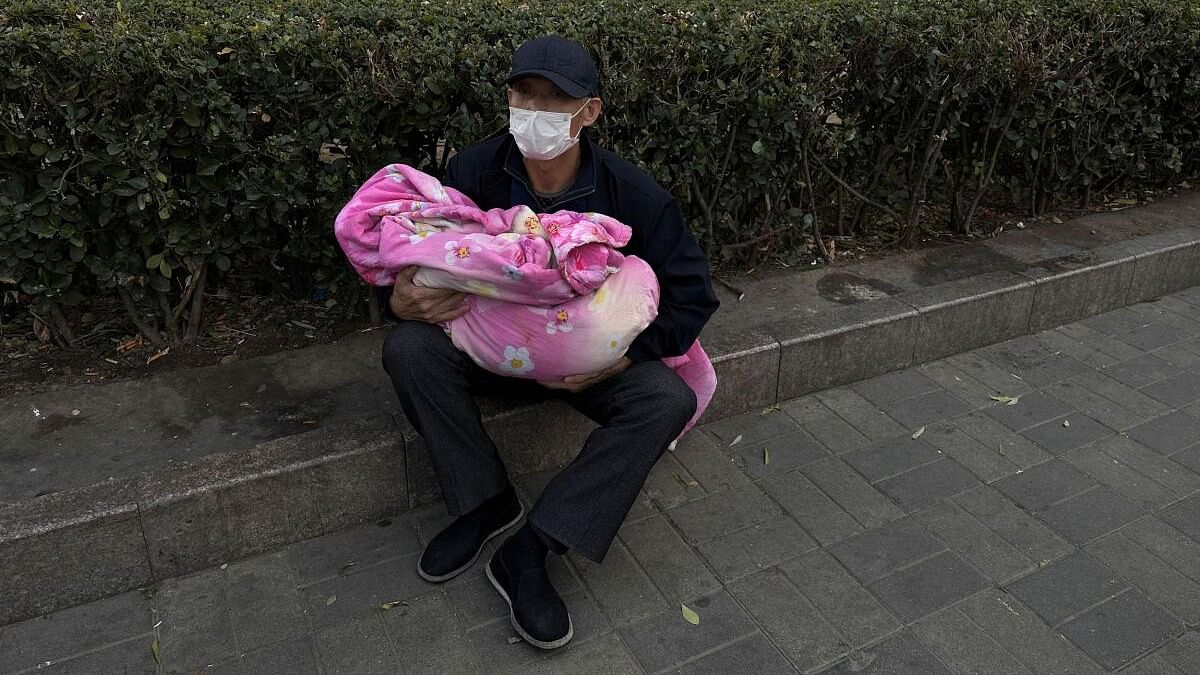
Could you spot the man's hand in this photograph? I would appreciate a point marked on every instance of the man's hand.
(431, 305)
(577, 383)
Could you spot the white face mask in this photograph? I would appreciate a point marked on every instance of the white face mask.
(542, 135)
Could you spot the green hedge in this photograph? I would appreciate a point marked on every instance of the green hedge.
(149, 145)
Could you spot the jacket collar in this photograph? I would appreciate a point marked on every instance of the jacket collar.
(514, 168)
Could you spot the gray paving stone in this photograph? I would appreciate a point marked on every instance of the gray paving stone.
(1117, 321)
(863, 415)
(1153, 336)
(955, 381)
(1120, 629)
(1067, 587)
(1185, 516)
(925, 409)
(919, 487)
(1091, 514)
(852, 492)
(674, 567)
(1044, 484)
(131, 657)
(1127, 397)
(1184, 652)
(604, 654)
(1182, 355)
(984, 461)
(1167, 544)
(723, 512)
(1104, 343)
(754, 654)
(819, 515)
(1176, 391)
(989, 552)
(1158, 580)
(927, 586)
(362, 591)
(1168, 434)
(622, 589)
(668, 483)
(1140, 371)
(891, 457)
(780, 454)
(1021, 633)
(1033, 539)
(753, 427)
(895, 386)
(1170, 311)
(841, 600)
(74, 630)
(1113, 414)
(805, 409)
(787, 617)
(1010, 445)
(264, 597)
(1140, 475)
(836, 434)
(967, 647)
(667, 639)
(293, 656)
(357, 646)
(756, 547)
(196, 627)
(1067, 433)
(1086, 346)
(1027, 359)
(1189, 458)
(708, 462)
(1030, 410)
(900, 655)
(324, 557)
(874, 553)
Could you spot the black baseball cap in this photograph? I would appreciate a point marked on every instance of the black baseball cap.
(564, 62)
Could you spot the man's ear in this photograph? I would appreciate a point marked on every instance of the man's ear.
(591, 112)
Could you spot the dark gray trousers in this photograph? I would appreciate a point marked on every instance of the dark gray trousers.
(640, 411)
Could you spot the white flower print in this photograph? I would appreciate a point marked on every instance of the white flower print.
(612, 344)
(561, 323)
(460, 252)
(420, 235)
(516, 360)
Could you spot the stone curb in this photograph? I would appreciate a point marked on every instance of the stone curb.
(75, 546)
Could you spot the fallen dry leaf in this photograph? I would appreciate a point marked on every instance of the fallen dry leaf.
(917, 433)
(330, 600)
(736, 441)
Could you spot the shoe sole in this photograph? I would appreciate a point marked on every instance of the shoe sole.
(446, 577)
(512, 617)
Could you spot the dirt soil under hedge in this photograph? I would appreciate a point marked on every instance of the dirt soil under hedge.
(242, 324)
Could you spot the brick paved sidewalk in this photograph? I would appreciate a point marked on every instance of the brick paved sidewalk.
(1057, 534)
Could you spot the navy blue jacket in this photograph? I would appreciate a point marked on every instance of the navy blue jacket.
(492, 174)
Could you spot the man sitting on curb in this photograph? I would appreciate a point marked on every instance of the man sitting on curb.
(548, 163)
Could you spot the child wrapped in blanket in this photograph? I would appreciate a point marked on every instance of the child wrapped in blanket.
(549, 295)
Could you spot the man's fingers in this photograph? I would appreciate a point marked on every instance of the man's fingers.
(407, 273)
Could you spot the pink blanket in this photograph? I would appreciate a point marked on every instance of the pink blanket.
(549, 295)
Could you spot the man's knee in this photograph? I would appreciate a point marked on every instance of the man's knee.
(414, 346)
(666, 397)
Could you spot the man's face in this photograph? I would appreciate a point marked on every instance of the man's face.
(538, 93)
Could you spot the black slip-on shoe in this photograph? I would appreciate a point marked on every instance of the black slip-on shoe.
(457, 547)
(534, 606)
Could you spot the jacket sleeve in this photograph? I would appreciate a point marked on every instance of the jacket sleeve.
(384, 293)
(686, 295)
